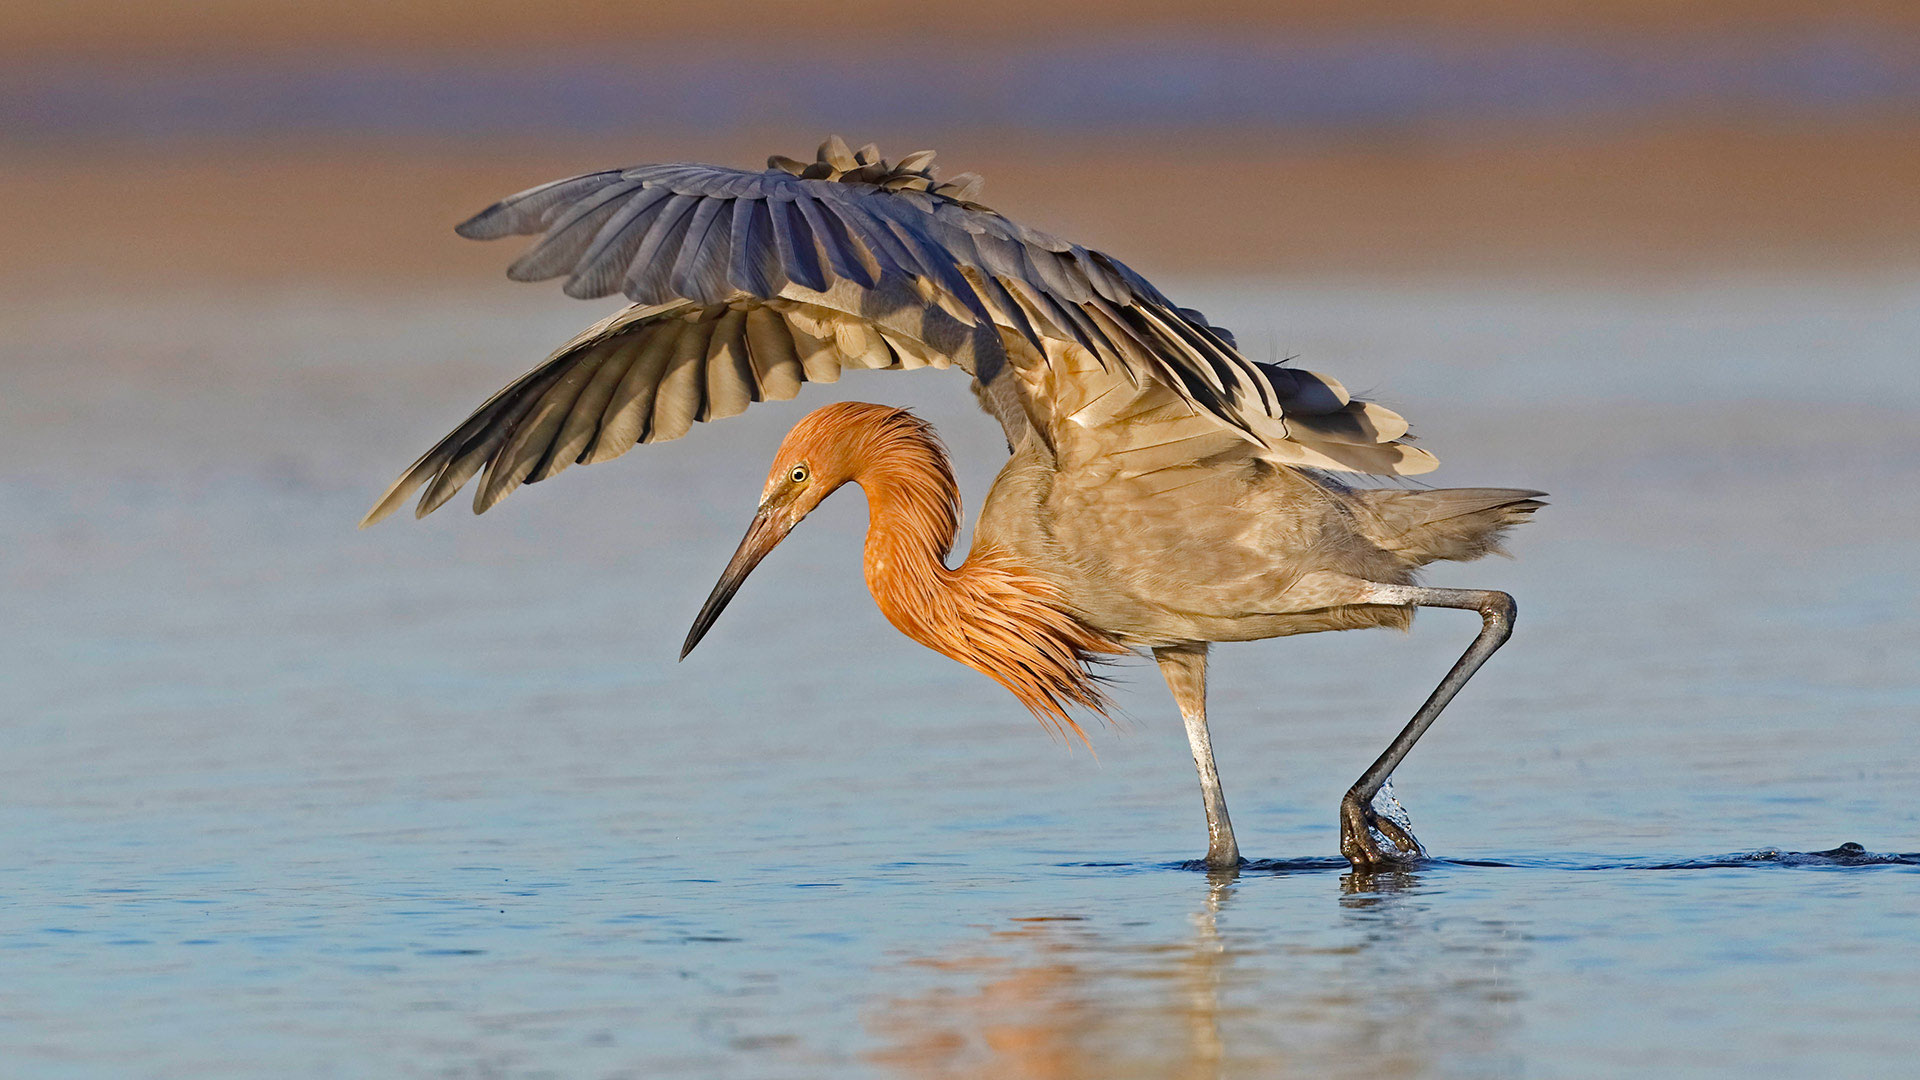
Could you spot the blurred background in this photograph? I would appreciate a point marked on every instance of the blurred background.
(258, 142)
(280, 798)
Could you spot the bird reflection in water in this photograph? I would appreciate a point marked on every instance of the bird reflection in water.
(1384, 987)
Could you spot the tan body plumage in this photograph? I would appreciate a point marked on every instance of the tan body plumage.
(1162, 492)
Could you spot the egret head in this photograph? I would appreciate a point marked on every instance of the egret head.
(827, 448)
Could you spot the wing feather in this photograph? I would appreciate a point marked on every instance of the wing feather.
(937, 265)
(798, 257)
(831, 234)
(860, 345)
(911, 354)
(700, 270)
(649, 275)
(1360, 423)
(1007, 311)
(753, 264)
(534, 209)
(753, 283)
(818, 357)
(886, 259)
(533, 433)
(776, 364)
(730, 383)
(683, 388)
(1062, 277)
(630, 406)
(583, 422)
(604, 264)
(569, 237)
(869, 224)
(1048, 316)
(460, 470)
(1306, 391)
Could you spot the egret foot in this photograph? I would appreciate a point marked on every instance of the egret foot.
(1372, 839)
(1227, 858)
(1375, 833)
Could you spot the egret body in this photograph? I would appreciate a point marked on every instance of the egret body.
(1162, 491)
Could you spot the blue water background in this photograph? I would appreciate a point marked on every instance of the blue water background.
(282, 798)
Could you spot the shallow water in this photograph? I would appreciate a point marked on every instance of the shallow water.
(434, 800)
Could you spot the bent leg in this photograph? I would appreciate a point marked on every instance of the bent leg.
(1358, 822)
(1185, 669)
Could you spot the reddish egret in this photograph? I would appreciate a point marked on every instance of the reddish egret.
(1163, 491)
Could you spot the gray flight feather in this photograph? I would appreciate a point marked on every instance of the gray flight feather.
(750, 283)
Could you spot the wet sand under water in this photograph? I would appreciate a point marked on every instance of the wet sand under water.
(434, 799)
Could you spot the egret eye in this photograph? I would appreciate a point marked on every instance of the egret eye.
(798, 475)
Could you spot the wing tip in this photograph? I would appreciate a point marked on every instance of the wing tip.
(391, 499)
(488, 224)
(527, 268)
(498, 485)
(582, 287)
(1414, 461)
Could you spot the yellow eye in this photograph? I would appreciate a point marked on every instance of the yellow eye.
(798, 475)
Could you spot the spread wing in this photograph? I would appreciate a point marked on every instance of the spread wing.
(886, 234)
(646, 375)
(846, 261)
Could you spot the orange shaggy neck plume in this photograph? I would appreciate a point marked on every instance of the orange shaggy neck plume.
(989, 613)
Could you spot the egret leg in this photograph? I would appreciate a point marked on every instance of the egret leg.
(1358, 821)
(1185, 669)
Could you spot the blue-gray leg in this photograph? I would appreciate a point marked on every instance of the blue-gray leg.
(1360, 826)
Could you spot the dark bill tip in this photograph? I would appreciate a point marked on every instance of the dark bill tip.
(762, 537)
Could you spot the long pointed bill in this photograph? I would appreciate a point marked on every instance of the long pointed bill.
(765, 534)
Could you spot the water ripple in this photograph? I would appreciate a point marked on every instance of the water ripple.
(1844, 857)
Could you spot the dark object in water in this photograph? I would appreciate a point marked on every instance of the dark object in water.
(1846, 855)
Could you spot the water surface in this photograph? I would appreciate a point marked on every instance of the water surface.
(434, 800)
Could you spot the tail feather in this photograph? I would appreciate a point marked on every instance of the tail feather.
(1455, 524)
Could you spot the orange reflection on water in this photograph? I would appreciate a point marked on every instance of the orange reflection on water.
(1058, 998)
